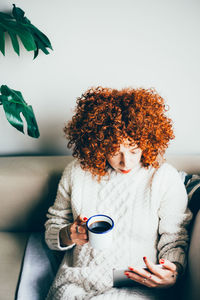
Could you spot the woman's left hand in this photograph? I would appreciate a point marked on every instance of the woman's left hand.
(154, 276)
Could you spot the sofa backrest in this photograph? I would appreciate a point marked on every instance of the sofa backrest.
(28, 187)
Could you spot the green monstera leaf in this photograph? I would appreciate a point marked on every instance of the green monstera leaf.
(18, 26)
(14, 105)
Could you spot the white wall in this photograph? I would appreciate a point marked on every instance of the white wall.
(113, 43)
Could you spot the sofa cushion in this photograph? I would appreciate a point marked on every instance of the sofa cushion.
(12, 246)
(39, 268)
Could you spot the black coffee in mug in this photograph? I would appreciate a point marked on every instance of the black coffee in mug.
(100, 226)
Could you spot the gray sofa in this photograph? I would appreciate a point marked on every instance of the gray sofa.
(28, 187)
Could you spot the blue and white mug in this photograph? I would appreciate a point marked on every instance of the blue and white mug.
(100, 231)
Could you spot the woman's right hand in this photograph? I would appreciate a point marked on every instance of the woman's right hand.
(76, 233)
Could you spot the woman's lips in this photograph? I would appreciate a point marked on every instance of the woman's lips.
(125, 171)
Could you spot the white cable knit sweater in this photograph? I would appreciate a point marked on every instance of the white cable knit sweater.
(149, 208)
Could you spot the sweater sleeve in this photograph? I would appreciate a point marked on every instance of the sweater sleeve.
(174, 216)
(60, 214)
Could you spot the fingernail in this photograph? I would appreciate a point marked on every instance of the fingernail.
(144, 257)
(130, 268)
(85, 219)
(162, 261)
(125, 273)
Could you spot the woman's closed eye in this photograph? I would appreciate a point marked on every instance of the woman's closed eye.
(133, 151)
(115, 154)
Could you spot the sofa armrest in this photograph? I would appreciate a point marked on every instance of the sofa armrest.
(193, 278)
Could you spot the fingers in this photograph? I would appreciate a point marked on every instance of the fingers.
(78, 224)
(142, 272)
(77, 228)
(163, 275)
(80, 219)
(78, 231)
(145, 277)
(156, 270)
(81, 236)
(140, 279)
(168, 264)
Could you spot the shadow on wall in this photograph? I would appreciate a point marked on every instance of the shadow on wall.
(51, 142)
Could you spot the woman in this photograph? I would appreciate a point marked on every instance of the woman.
(118, 139)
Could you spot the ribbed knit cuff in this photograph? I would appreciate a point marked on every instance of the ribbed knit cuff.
(176, 256)
(53, 238)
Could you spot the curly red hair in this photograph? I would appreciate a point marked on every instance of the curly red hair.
(104, 117)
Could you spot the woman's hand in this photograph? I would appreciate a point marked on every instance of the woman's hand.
(155, 276)
(76, 233)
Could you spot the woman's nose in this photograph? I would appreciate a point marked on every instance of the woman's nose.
(121, 159)
(124, 160)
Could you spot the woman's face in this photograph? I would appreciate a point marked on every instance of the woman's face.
(126, 159)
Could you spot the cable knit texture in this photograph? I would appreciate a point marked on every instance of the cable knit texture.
(149, 208)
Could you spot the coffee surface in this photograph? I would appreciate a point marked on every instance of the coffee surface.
(99, 226)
